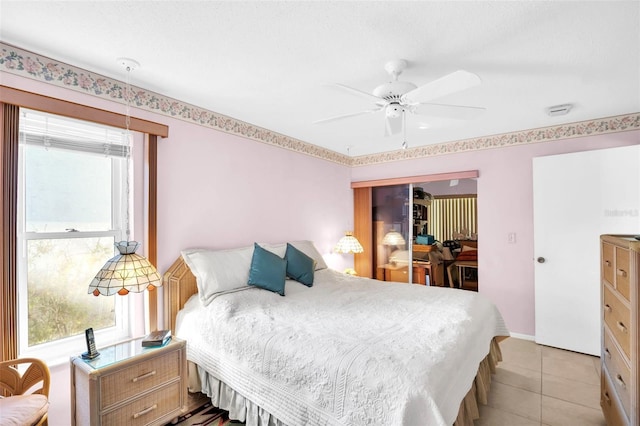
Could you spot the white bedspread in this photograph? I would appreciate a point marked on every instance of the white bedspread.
(347, 351)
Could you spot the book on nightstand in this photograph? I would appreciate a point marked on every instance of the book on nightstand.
(156, 338)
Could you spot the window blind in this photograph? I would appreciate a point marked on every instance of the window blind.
(50, 131)
(450, 215)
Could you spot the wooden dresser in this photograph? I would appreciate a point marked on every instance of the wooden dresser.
(620, 278)
(130, 385)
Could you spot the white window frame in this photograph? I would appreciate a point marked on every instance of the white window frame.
(127, 309)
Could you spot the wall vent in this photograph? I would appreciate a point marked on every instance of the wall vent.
(559, 110)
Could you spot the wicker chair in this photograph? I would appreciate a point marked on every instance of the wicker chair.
(24, 382)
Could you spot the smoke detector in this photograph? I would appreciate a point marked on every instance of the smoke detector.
(557, 110)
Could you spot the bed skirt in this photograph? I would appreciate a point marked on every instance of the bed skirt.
(469, 409)
(244, 410)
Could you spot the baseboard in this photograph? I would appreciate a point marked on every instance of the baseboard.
(523, 336)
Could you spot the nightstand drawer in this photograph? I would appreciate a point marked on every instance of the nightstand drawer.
(618, 318)
(146, 409)
(618, 370)
(131, 381)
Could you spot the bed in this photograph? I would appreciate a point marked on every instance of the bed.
(343, 351)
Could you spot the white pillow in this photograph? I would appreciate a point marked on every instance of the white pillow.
(279, 249)
(310, 250)
(218, 270)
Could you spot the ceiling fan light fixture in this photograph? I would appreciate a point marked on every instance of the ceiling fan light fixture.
(394, 110)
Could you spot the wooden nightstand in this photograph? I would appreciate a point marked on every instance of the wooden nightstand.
(129, 384)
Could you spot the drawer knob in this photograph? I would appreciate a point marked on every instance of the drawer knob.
(145, 411)
(607, 399)
(144, 376)
(607, 308)
(606, 351)
(607, 263)
(621, 327)
(622, 272)
(621, 382)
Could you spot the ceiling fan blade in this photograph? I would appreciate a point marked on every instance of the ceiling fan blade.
(360, 93)
(393, 125)
(340, 117)
(450, 83)
(457, 112)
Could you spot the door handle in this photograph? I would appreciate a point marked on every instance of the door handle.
(540, 259)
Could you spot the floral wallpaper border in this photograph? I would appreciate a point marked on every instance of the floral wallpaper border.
(620, 123)
(27, 64)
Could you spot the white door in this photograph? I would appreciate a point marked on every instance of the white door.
(577, 197)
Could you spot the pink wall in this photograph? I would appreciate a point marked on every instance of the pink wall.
(505, 204)
(219, 190)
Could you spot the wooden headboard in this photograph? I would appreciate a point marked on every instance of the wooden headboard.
(179, 284)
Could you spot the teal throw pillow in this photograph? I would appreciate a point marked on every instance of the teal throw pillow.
(300, 267)
(268, 270)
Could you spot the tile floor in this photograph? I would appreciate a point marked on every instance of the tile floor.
(540, 385)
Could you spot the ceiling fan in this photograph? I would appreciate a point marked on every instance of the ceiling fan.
(396, 98)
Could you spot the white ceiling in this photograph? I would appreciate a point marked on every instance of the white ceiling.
(272, 64)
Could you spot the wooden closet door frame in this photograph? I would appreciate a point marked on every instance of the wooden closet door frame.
(362, 211)
(363, 231)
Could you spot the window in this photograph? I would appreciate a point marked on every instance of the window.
(72, 177)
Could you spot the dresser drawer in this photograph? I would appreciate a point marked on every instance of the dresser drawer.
(608, 262)
(618, 317)
(141, 376)
(613, 412)
(622, 272)
(618, 370)
(146, 409)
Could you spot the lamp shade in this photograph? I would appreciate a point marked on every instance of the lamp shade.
(393, 238)
(125, 272)
(348, 244)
